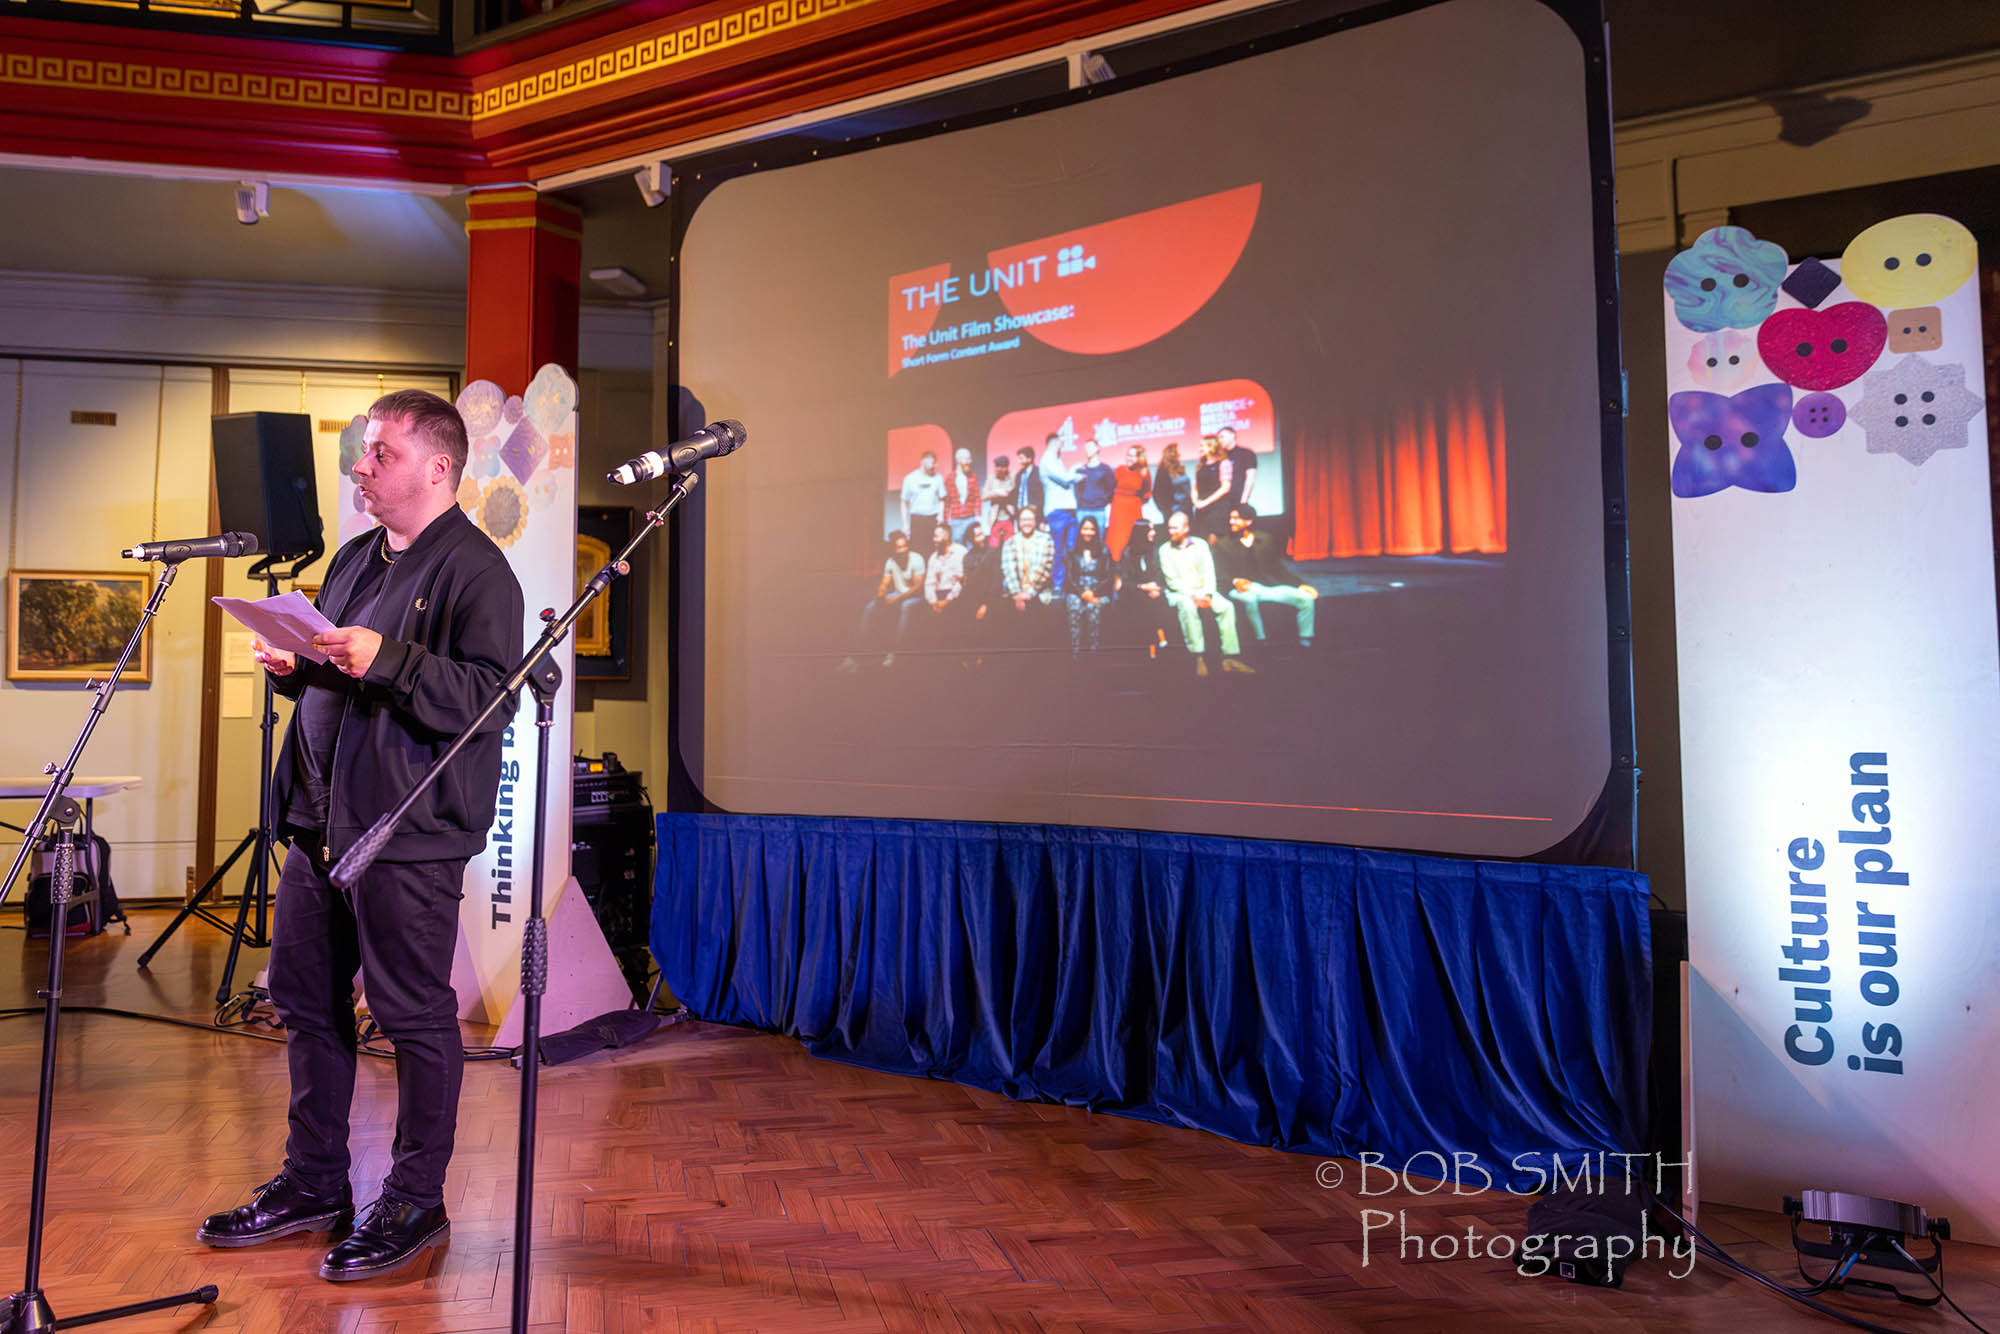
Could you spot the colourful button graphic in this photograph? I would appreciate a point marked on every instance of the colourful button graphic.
(1822, 349)
(1909, 261)
(1817, 416)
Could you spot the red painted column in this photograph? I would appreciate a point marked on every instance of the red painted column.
(521, 288)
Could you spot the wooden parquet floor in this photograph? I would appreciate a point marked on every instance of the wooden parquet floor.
(715, 1179)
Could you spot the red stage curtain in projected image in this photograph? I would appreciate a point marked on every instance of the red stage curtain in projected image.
(1429, 479)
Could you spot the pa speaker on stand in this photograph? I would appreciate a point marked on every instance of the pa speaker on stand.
(264, 484)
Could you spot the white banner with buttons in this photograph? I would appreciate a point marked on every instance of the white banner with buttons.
(1840, 717)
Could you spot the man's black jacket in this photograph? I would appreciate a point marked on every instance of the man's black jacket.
(450, 617)
(1263, 562)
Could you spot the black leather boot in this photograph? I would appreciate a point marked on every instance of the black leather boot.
(280, 1206)
(390, 1233)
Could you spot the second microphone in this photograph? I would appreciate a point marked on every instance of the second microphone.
(710, 442)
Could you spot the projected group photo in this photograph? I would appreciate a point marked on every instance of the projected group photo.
(1054, 544)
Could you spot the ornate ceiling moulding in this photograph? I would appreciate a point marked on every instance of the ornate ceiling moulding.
(890, 44)
(125, 94)
(521, 110)
(662, 52)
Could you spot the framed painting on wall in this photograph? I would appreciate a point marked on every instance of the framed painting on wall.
(71, 625)
(603, 633)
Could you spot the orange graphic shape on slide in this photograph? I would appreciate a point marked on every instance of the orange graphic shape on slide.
(1152, 270)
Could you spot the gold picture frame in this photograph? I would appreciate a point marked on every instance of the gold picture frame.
(603, 634)
(71, 625)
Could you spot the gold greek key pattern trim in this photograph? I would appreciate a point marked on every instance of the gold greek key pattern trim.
(284, 90)
(658, 52)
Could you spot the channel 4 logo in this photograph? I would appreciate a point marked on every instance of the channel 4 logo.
(1070, 261)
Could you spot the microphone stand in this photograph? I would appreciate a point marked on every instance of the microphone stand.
(540, 675)
(27, 1311)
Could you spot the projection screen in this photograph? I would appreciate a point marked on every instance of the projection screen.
(1349, 282)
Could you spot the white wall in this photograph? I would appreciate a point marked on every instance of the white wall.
(85, 492)
(244, 323)
(77, 495)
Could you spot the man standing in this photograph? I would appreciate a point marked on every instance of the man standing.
(1059, 517)
(923, 495)
(1239, 468)
(997, 502)
(1258, 573)
(1095, 485)
(961, 495)
(429, 621)
(1187, 568)
(1028, 483)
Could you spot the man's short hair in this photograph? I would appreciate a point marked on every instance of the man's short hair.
(1027, 509)
(898, 536)
(930, 454)
(431, 420)
(1248, 511)
(1026, 453)
(1052, 437)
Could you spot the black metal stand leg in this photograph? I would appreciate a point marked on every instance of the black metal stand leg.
(257, 886)
(545, 680)
(193, 907)
(28, 1311)
(257, 882)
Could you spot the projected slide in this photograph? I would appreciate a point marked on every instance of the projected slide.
(1220, 455)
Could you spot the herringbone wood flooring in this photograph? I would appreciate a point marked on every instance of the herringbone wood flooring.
(717, 1179)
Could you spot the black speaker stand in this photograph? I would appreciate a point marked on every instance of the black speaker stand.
(260, 843)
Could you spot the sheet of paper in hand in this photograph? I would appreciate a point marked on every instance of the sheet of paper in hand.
(288, 621)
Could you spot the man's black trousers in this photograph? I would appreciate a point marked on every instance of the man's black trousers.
(398, 926)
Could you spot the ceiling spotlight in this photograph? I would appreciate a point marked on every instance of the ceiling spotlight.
(619, 281)
(654, 180)
(253, 201)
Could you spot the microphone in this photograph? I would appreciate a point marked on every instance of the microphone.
(710, 442)
(193, 548)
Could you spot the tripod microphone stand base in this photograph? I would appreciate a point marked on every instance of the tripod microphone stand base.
(27, 1311)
